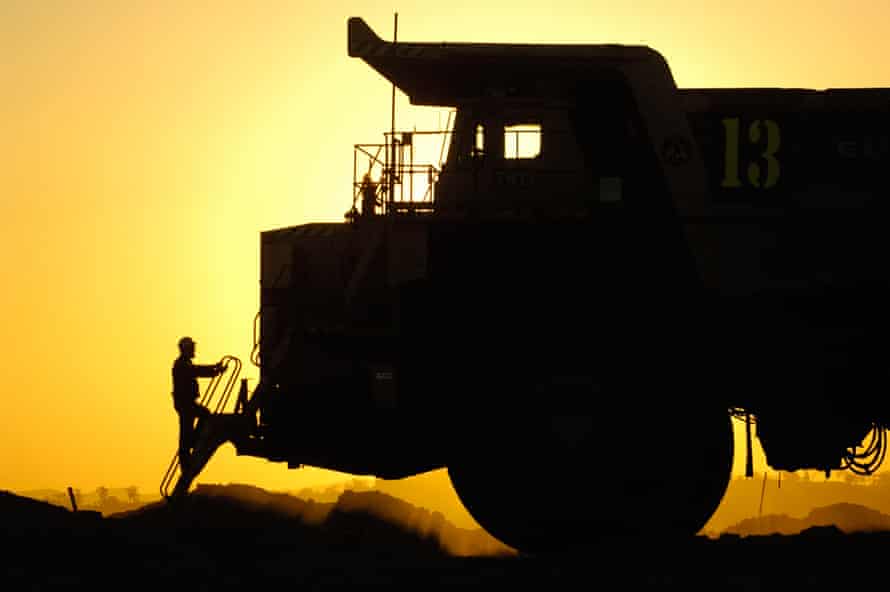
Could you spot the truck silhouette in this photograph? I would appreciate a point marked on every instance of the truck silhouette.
(600, 272)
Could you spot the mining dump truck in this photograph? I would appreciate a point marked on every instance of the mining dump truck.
(570, 301)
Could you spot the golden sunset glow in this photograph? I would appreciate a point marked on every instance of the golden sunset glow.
(145, 144)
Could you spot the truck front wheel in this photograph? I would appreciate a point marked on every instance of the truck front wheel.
(545, 482)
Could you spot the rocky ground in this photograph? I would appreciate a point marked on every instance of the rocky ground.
(230, 538)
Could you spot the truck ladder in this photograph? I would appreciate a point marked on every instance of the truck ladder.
(227, 378)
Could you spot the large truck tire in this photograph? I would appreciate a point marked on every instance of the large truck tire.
(549, 482)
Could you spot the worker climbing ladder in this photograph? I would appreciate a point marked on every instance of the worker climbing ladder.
(208, 438)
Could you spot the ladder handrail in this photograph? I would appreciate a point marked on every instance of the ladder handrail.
(206, 400)
(230, 383)
(212, 387)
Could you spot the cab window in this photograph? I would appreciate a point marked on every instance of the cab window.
(522, 141)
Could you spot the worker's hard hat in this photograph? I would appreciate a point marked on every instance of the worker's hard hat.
(186, 342)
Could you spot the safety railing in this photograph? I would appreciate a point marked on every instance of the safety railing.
(225, 379)
(398, 176)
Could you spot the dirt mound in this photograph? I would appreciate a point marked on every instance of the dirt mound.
(849, 518)
(845, 517)
(23, 513)
(355, 521)
(426, 524)
(241, 516)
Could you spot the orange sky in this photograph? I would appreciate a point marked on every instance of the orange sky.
(145, 144)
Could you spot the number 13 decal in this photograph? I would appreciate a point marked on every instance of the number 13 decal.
(772, 141)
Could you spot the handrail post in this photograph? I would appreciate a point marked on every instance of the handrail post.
(241, 402)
